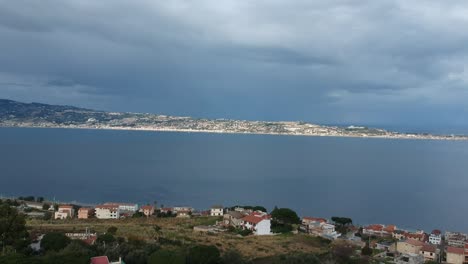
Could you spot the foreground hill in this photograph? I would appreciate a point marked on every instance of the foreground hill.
(17, 114)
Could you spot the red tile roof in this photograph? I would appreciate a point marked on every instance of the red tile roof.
(428, 248)
(107, 206)
(66, 206)
(390, 228)
(455, 250)
(100, 260)
(254, 219)
(436, 232)
(415, 242)
(315, 219)
(147, 207)
(374, 227)
(91, 240)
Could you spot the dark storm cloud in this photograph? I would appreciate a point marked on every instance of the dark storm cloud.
(333, 61)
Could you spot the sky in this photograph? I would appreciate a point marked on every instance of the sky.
(387, 62)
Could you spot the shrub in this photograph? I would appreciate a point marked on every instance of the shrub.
(166, 257)
(112, 230)
(54, 241)
(204, 255)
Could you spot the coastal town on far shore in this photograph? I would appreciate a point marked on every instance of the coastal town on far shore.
(389, 243)
(37, 115)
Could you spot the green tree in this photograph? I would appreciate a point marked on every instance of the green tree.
(285, 216)
(138, 215)
(47, 216)
(342, 220)
(105, 239)
(39, 199)
(45, 206)
(54, 241)
(166, 257)
(259, 208)
(204, 255)
(12, 226)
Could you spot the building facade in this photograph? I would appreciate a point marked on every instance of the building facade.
(455, 255)
(147, 210)
(107, 212)
(217, 210)
(258, 224)
(64, 212)
(85, 213)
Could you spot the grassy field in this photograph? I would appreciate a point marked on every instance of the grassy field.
(181, 230)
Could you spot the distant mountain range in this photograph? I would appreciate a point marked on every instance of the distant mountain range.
(17, 114)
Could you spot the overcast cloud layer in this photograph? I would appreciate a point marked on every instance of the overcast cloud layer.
(365, 62)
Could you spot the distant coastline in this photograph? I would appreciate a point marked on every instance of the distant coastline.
(36, 115)
(171, 130)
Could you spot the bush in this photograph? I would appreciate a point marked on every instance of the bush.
(106, 238)
(136, 256)
(233, 257)
(366, 251)
(112, 230)
(204, 255)
(166, 257)
(277, 227)
(54, 241)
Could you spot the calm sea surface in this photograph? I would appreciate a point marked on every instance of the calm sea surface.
(417, 184)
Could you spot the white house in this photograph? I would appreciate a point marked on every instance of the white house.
(107, 212)
(34, 205)
(259, 224)
(181, 208)
(328, 231)
(435, 237)
(125, 207)
(64, 211)
(217, 210)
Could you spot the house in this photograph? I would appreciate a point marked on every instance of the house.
(403, 234)
(181, 208)
(435, 237)
(455, 239)
(184, 213)
(65, 211)
(430, 252)
(379, 230)
(87, 237)
(147, 210)
(455, 255)
(319, 227)
(466, 253)
(34, 205)
(385, 246)
(104, 260)
(125, 207)
(409, 246)
(166, 210)
(233, 218)
(217, 210)
(107, 211)
(409, 259)
(259, 224)
(85, 212)
(312, 220)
